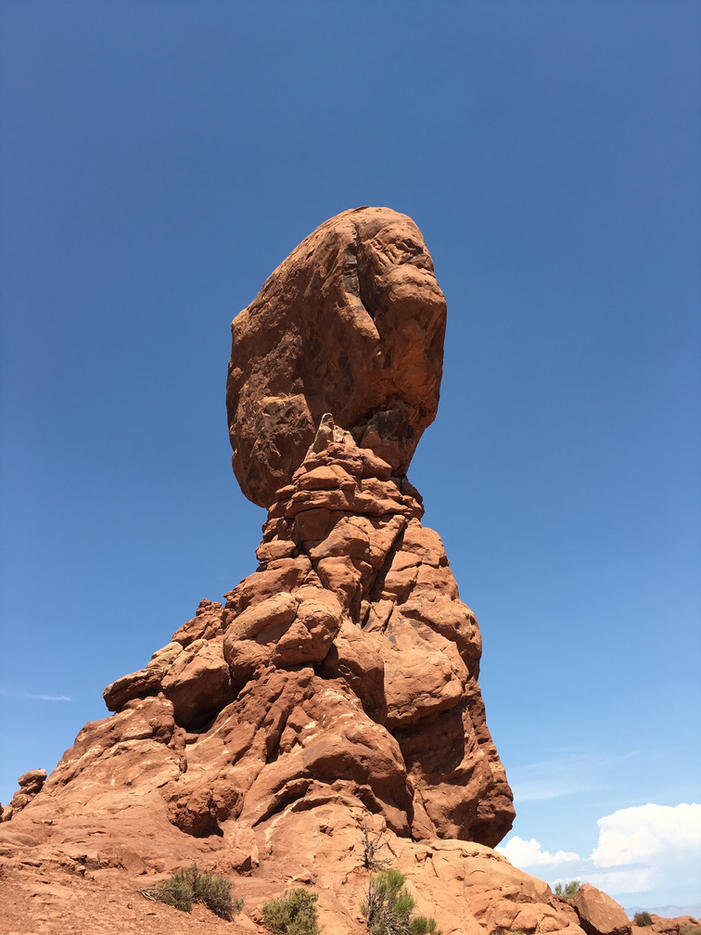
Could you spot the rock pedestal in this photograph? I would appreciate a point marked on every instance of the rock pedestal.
(346, 664)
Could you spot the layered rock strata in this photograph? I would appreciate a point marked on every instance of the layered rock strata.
(345, 664)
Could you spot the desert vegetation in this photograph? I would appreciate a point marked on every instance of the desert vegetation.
(567, 890)
(373, 844)
(189, 885)
(388, 908)
(642, 918)
(292, 914)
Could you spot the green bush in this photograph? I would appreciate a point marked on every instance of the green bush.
(188, 886)
(388, 907)
(176, 891)
(292, 914)
(567, 890)
(642, 918)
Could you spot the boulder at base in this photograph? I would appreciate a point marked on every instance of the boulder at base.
(598, 913)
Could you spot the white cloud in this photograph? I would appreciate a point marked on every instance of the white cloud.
(33, 696)
(648, 834)
(651, 850)
(625, 880)
(523, 853)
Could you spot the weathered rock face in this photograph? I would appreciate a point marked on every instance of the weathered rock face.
(338, 683)
(347, 660)
(351, 323)
(30, 783)
(91, 885)
(598, 913)
(345, 664)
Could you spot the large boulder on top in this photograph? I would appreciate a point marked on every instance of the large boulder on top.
(351, 323)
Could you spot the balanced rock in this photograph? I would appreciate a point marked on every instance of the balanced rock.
(351, 323)
(336, 687)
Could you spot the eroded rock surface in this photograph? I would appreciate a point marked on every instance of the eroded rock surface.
(336, 685)
(346, 663)
(341, 688)
(92, 885)
(351, 323)
(598, 913)
(30, 783)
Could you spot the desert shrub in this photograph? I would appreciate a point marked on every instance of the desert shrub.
(690, 929)
(567, 890)
(215, 892)
(292, 914)
(420, 925)
(388, 908)
(642, 918)
(372, 845)
(176, 891)
(188, 886)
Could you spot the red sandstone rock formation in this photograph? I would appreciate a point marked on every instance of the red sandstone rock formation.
(337, 687)
(662, 926)
(598, 913)
(346, 664)
(30, 783)
(92, 883)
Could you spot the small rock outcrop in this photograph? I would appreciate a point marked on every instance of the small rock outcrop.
(680, 925)
(598, 913)
(30, 784)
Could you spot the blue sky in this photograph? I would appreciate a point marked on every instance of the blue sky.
(158, 160)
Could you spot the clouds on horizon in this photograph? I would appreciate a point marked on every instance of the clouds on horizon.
(523, 853)
(642, 849)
